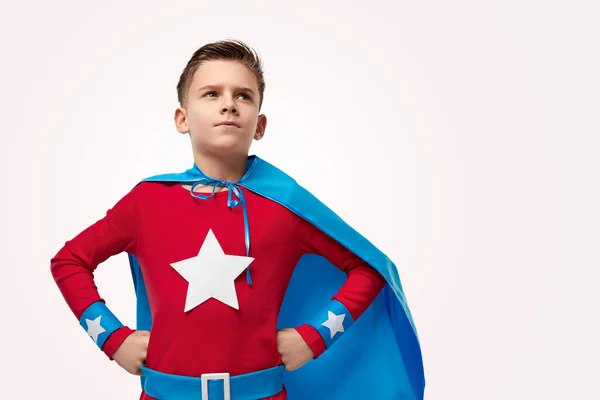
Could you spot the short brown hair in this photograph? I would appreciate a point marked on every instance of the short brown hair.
(235, 50)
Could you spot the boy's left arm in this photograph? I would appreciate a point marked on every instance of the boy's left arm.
(362, 285)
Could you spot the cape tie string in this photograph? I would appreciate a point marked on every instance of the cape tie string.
(233, 189)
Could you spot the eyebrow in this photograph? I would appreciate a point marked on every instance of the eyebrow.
(238, 88)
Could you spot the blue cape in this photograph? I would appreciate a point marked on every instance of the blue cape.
(380, 356)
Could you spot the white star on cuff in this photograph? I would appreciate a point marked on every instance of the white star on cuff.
(94, 328)
(335, 323)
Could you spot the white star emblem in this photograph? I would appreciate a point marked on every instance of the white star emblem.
(211, 274)
(334, 323)
(94, 328)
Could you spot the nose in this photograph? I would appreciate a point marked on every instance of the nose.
(228, 105)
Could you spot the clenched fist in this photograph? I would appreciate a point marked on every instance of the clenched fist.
(293, 349)
(131, 354)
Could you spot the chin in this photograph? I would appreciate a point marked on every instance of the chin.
(224, 144)
(226, 147)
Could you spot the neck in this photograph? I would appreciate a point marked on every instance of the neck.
(230, 169)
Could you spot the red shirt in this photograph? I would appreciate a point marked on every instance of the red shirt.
(162, 224)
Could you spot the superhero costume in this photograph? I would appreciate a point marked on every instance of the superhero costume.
(379, 356)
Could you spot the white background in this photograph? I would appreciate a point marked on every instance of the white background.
(460, 137)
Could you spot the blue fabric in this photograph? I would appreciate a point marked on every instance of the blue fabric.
(252, 386)
(334, 310)
(98, 313)
(380, 357)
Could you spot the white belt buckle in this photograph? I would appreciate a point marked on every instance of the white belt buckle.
(224, 376)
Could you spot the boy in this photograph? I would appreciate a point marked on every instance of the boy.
(221, 260)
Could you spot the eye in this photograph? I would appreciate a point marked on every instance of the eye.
(247, 97)
(209, 94)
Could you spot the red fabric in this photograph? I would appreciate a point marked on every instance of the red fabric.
(162, 224)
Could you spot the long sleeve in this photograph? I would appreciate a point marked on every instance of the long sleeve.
(361, 287)
(74, 265)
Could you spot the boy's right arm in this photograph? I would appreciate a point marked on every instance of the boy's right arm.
(73, 267)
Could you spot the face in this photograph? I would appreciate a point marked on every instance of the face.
(221, 114)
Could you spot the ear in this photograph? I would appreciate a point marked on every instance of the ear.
(181, 120)
(261, 126)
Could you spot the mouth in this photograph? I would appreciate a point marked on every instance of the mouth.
(228, 123)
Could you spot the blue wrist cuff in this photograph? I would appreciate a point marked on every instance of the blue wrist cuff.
(332, 322)
(99, 322)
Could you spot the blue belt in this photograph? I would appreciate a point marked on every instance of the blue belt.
(219, 386)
